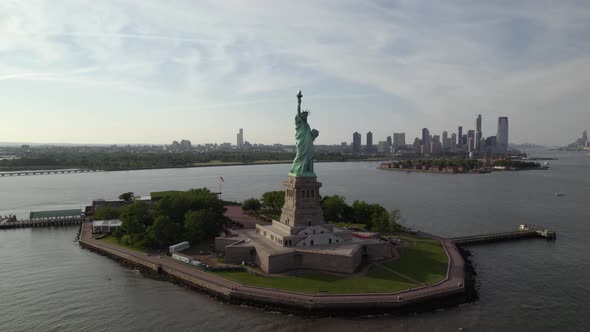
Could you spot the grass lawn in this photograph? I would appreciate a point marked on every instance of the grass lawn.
(111, 239)
(425, 261)
(347, 224)
(378, 280)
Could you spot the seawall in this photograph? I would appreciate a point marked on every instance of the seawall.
(447, 292)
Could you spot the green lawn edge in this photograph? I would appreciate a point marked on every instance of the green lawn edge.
(112, 240)
(425, 260)
(377, 280)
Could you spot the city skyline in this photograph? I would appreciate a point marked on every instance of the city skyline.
(126, 72)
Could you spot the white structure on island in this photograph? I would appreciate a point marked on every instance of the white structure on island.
(182, 258)
(179, 247)
(105, 226)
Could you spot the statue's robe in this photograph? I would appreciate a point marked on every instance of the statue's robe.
(304, 137)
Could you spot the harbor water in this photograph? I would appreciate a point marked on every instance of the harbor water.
(48, 283)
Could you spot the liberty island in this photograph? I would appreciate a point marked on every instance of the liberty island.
(303, 262)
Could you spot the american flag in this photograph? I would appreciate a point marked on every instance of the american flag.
(221, 179)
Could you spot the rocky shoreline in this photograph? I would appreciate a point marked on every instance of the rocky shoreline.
(431, 304)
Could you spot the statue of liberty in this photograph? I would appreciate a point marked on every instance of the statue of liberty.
(304, 137)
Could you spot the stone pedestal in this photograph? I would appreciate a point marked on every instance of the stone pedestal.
(302, 203)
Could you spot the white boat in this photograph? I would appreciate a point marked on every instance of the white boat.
(559, 194)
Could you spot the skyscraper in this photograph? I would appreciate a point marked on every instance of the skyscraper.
(240, 138)
(478, 134)
(425, 141)
(453, 142)
(502, 135)
(460, 134)
(399, 139)
(417, 145)
(369, 147)
(435, 145)
(471, 140)
(356, 143)
(446, 144)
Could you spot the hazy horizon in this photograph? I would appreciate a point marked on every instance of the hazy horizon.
(135, 72)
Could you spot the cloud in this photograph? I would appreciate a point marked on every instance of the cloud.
(433, 64)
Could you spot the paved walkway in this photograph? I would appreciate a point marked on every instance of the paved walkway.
(398, 274)
(234, 212)
(454, 283)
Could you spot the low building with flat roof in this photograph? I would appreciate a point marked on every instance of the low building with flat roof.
(182, 258)
(56, 214)
(179, 247)
(105, 226)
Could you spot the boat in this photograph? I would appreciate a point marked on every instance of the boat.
(559, 194)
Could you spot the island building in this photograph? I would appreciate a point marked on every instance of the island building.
(105, 226)
(301, 238)
(460, 135)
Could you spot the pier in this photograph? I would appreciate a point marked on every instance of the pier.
(44, 219)
(48, 172)
(523, 232)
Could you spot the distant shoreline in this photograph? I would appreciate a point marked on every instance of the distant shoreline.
(196, 165)
(476, 171)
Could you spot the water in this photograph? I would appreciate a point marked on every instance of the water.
(47, 283)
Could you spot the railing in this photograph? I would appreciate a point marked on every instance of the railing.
(47, 172)
(26, 223)
(523, 233)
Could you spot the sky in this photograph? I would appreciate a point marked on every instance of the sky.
(136, 71)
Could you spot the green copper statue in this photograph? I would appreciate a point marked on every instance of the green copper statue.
(304, 137)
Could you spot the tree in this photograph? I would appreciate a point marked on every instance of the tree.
(384, 222)
(135, 218)
(164, 232)
(176, 204)
(127, 197)
(361, 213)
(336, 209)
(203, 225)
(273, 200)
(106, 213)
(251, 204)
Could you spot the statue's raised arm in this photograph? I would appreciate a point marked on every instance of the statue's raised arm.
(299, 96)
(304, 137)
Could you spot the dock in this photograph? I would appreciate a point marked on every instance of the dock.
(523, 232)
(44, 219)
(48, 172)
